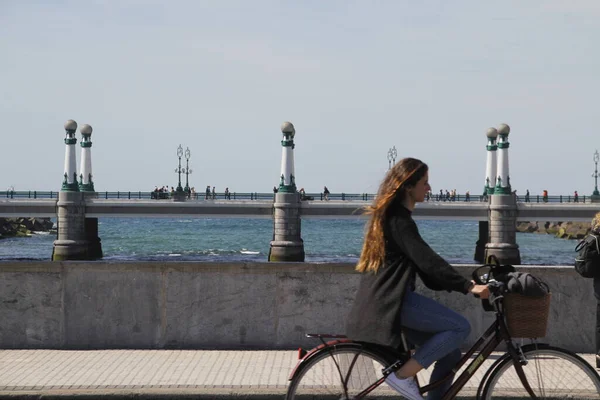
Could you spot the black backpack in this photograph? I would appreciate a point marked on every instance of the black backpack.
(587, 261)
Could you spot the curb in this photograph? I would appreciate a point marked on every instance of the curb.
(151, 394)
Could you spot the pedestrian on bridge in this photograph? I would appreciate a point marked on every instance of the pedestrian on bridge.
(576, 197)
(326, 193)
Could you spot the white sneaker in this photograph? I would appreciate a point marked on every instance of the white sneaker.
(406, 387)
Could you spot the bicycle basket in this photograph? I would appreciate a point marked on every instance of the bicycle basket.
(526, 316)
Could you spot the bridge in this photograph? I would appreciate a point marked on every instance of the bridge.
(263, 208)
(77, 206)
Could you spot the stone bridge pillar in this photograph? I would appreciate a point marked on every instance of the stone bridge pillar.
(86, 186)
(503, 209)
(483, 239)
(71, 243)
(287, 243)
(503, 229)
(488, 190)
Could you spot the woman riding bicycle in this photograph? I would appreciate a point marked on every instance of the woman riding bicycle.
(386, 305)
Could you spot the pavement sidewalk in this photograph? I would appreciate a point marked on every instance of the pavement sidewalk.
(153, 374)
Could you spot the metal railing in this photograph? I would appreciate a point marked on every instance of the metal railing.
(151, 195)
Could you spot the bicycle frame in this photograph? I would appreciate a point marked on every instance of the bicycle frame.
(488, 342)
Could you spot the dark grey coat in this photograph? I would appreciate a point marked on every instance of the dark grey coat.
(375, 315)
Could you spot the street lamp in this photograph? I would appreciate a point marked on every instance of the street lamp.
(391, 156)
(188, 171)
(178, 169)
(595, 174)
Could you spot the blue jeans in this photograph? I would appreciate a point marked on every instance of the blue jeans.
(437, 332)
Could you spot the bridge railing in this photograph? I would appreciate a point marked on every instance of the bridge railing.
(151, 195)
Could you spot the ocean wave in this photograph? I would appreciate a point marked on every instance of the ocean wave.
(40, 232)
(249, 252)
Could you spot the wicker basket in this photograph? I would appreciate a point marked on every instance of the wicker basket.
(526, 317)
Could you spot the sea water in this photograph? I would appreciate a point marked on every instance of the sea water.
(247, 239)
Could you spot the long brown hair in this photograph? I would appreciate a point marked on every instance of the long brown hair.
(402, 176)
(596, 224)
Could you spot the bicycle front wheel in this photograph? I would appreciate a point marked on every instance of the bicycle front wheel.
(340, 374)
(552, 373)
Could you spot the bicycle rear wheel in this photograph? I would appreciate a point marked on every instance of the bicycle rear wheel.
(324, 375)
(552, 373)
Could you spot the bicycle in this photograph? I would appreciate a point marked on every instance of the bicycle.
(344, 369)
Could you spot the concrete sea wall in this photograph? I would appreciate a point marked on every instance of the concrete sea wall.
(156, 305)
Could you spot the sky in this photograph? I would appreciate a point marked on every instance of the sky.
(354, 77)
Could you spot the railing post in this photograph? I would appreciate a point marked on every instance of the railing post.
(251, 196)
(35, 194)
(106, 196)
(343, 196)
(561, 198)
(51, 194)
(234, 195)
(128, 195)
(30, 194)
(140, 195)
(538, 198)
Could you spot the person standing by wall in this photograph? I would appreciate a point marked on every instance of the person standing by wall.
(596, 231)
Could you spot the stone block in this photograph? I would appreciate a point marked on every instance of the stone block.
(313, 302)
(220, 310)
(113, 306)
(31, 309)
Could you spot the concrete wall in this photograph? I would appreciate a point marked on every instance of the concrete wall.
(96, 305)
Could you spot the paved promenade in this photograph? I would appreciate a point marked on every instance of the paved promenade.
(153, 374)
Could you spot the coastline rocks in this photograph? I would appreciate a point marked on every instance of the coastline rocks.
(563, 230)
(21, 227)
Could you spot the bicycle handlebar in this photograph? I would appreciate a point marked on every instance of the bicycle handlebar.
(495, 287)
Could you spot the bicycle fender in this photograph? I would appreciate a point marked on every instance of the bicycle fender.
(342, 343)
(315, 351)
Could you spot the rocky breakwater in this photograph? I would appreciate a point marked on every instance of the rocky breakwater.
(563, 230)
(19, 227)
